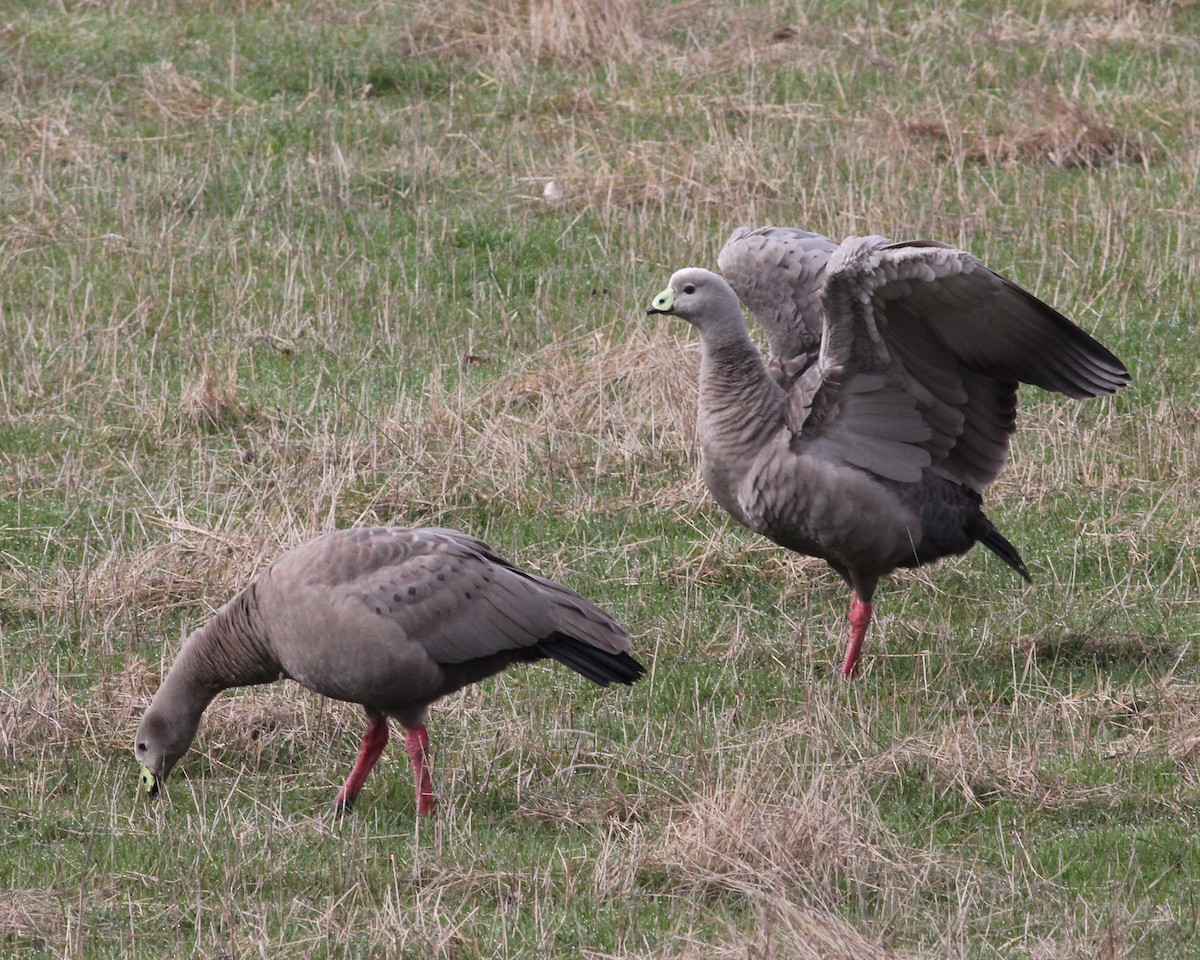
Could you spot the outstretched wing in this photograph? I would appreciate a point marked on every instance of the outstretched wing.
(778, 273)
(922, 352)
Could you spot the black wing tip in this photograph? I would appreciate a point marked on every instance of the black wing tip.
(599, 666)
(1097, 380)
(630, 670)
(1091, 369)
(1099, 367)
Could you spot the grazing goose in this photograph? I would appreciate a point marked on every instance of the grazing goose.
(888, 404)
(389, 618)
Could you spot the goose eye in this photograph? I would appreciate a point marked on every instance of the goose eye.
(141, 746)
(689, 288)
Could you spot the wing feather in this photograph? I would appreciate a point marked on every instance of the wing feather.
(921, 349)
(778, 273)
(457, 598)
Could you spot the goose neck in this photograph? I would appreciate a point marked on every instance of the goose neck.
(734, 378)
(232, 649)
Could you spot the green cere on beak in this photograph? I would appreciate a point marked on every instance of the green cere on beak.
(148, 782)
(663, 302)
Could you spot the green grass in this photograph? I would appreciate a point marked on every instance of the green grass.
(266, 269)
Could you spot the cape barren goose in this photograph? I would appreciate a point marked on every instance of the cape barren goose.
(386, 617)
(889, 402)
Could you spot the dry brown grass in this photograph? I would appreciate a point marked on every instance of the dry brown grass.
(41, 917)
(42, 714)
(608, 416)
(213, 396)
(36, 711)
(1090, 23)
(1061, 134)
(607, 34)
(566, 29)
(786, 928)
(604, 412)
(791, 833)
(188, 566)
(49, 138)
(960, 760)
(180, 100)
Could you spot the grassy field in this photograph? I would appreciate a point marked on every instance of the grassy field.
(268, 268)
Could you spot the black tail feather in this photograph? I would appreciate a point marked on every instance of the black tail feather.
(597, 665)
(995, 541)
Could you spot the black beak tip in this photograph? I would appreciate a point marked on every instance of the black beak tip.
(148, 783)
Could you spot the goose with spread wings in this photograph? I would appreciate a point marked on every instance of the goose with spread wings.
(888, 403)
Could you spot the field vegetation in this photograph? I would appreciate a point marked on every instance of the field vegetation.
(269, 268)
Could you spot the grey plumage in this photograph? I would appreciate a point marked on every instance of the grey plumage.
(889, 401)
(386, 617)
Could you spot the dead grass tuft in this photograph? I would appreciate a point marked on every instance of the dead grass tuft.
(178, 99)
(1170, 715)
(282, 724)
(786, 928)
(213, 398)
(1105, 651)
(611, 809)
(40, 916)
(601, 415)
(586, 30)
(192, 565)
(1114, 933)
(959, 759)
(51, 139)
(1089, 23)
(571, 31)
(622, 180)
(733, 839)
(1185, 744)
(35, 711)
(1067, 136)
(38, 711)
(787, 855)
(789, 828)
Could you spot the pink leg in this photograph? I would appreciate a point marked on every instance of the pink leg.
(374, 739)
(416, 742)
(860, 619)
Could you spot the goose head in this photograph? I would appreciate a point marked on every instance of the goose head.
(702, 298)
(161, 741)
